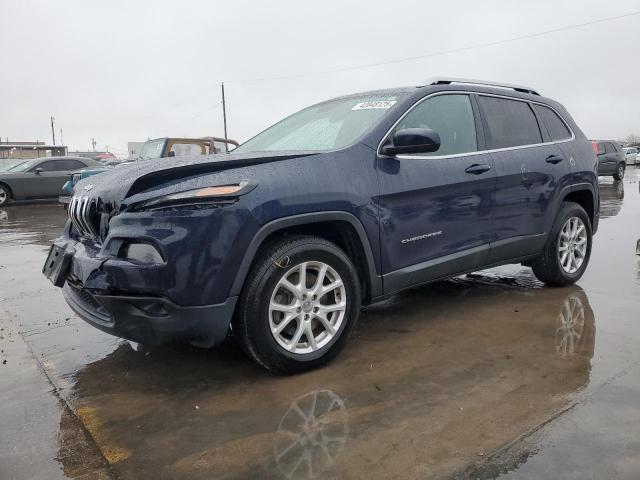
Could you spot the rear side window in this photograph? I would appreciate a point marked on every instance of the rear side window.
(451, 116)
(555, 126)
(70, 165)
(609, 148)
(509, 123)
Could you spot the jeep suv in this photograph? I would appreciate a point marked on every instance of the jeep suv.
(342, 204)
(611, 159)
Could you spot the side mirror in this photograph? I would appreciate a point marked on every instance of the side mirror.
(171, 154)
(412, 140)
(38, 171)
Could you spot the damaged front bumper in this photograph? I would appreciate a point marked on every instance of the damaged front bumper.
(151, 320)
(186, 297)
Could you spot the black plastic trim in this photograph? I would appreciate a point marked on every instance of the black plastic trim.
(306, 219)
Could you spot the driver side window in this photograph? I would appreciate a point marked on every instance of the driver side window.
(451, 116)
(48, 166)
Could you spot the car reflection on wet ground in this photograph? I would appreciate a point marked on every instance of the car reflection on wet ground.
(485, 375)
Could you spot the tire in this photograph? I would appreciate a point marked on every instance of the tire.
(5, 195)
(256, 323)
(548, 267)
(619, 175)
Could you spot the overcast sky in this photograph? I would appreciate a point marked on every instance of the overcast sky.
(124, 71)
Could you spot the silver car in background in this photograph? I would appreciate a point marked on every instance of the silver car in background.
(631, 155)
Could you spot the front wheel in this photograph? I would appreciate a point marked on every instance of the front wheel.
(300, 302)
(568, 248)
(4, 195)
(619, 175)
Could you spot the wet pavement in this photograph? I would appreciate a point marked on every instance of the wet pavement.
(487, 375)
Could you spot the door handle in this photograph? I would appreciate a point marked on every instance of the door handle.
(478, 168)
(554, 159)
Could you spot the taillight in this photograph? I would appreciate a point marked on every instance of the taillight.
(594, 145)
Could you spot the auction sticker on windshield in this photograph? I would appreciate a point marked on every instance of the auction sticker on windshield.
(384, 104)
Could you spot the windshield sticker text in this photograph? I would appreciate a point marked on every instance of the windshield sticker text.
(384, 104)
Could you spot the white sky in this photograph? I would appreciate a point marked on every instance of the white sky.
(124, 71)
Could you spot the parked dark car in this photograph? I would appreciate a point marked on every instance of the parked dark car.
(342, 204)
(611, 159)
(39, 178)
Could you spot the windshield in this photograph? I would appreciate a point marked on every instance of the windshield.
(19, 166)
(152, 149)
(327, 126)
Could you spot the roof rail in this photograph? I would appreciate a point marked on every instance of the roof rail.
(449, 80)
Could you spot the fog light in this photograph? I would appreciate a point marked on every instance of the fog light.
(141, 253)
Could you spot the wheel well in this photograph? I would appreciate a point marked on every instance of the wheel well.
(8, 188)
(342, 233)
(584, 198)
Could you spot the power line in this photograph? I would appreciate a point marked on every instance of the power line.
(441, 52)
(196, 115)
(399, 60)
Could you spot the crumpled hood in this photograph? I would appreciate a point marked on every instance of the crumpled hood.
(114, 186)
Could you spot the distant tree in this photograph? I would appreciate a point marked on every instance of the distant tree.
(632, 138)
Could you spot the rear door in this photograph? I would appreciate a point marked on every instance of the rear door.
(436, 208)
(530, 169)
(611, 158)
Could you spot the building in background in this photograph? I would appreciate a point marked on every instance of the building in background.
(94, 154)
(11, 152)
(134, 149)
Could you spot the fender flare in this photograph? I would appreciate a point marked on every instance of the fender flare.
(577, 187)
(304, 219)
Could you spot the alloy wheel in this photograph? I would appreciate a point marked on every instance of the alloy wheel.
(3, 196)
(307, 307)
(572, 245)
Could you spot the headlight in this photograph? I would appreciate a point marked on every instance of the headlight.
(206, 195)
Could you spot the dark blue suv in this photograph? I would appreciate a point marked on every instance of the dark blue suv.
(341, 204)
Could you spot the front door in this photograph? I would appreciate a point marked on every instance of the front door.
(436, 208)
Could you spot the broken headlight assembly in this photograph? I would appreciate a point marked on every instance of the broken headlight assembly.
(219, 195)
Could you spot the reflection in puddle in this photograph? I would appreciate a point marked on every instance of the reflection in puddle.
(575, 327)
(611, 198)
(31, 224)
(316, 429)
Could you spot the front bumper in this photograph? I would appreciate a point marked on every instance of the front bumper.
(151, 320)
(187, 296)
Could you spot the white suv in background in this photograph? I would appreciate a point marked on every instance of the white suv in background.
(630, 155)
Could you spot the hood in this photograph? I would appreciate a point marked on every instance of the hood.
(115, 185)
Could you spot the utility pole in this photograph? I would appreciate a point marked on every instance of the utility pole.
(224, 118)
(93, 144)
(61, 138)
(53, 131)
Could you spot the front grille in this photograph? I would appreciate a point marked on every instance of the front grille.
(85, 217)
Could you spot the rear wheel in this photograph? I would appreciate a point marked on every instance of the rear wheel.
(619, 175)
(568, 248)
(300, 302)
(4, 195)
